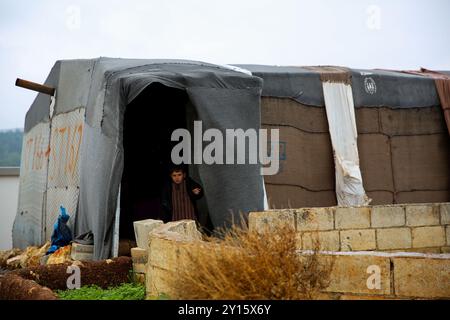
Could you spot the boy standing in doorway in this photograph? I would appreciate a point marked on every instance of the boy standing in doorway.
(180, 195)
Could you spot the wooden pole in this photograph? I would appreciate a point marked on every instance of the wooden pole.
(35, 86)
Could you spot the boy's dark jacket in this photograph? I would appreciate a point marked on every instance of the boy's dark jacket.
(166, 198)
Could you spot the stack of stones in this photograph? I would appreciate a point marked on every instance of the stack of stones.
(144, 229)
(139, 255)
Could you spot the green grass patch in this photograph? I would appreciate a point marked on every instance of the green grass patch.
(126, 291)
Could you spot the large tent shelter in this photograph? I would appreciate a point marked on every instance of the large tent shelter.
(106, 133)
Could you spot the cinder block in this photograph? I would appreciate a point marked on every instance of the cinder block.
(444, 208)
(352, 218)
(141, 230)
(422, 277)
(268, 221)
(139, 255)
(328, 240)
(422, 215)
(358, 274)
(388, 216)
(358, 240)
(428, 237)
(312, 219)
(394, 238)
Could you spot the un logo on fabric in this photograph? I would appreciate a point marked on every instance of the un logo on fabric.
(370, 86)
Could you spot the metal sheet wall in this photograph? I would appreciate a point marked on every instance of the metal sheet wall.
(63, 166)
(28, 227)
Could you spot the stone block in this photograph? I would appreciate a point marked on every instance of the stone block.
(447, 232)
(428, 237)
(158, 282)
(139, 278)
(422, 215)
(358, 240)
(328, 240)
(445, 249)
(388, 216)
(139, 255)
(394, 238)
(366, 297)
(312, 219)
(418, 250)
(352, 218)
(165, 251)
(82, 248)
(359, 274)
(444, 209)
(186, 228)
(81, 256)
(141, 230)
(139, 267)
(422, 277)
(268, 221)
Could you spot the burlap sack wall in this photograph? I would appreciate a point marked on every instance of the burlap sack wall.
(404, 155)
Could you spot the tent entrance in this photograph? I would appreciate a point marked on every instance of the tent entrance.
(149, 121)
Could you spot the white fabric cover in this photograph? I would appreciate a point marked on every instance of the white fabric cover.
(342, 126)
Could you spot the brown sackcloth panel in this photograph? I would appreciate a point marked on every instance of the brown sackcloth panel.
(423, 196)
(281, 196)
(288, 112)
(367, 120)
(442, 83)
(381, 197)
(306, 175)
(409, 153)
(375, 162)
(421, 163)
(306, 160)
(404, 154)
(412, 121)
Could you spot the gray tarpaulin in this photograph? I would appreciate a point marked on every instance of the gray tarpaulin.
(39, 110)
(223, 99)
(371, 88)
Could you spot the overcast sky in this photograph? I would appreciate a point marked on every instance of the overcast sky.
(395, 34)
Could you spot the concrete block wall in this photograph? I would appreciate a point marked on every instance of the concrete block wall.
(355, 275)
(404, 227)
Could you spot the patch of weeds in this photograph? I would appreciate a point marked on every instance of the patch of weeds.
(126, 291)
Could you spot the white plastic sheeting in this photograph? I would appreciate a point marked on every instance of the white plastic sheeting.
(342, 126)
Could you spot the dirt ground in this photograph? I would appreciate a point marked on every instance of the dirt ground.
(105, 273)
(13, 287)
